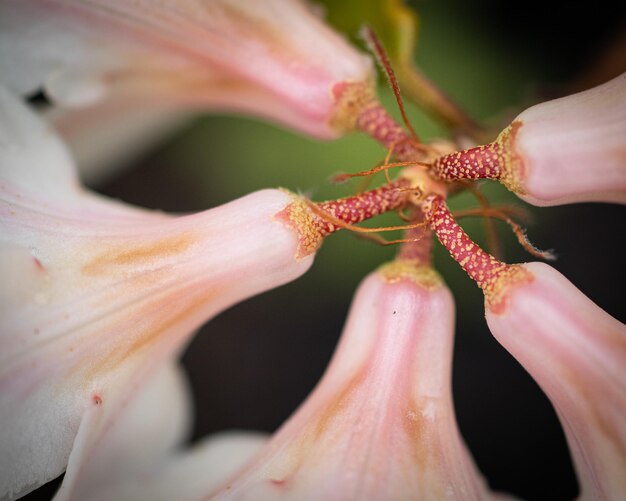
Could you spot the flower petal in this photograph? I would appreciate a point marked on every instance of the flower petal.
(577, 354)
(574, 149)
(99, 294)
(274, 58)
(380, 425)
(107, 137)
(107, 449)
(188, 475)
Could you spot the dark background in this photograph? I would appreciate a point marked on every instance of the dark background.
(252, 365)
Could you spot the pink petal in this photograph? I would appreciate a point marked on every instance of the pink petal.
(97, 295)
(106, 138)
(577, 354)
(574, 149)
(273, 58)
(380, 425)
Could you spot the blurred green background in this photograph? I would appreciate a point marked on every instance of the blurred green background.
(252, 365)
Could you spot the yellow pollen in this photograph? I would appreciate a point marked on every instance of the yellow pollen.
(412, 270)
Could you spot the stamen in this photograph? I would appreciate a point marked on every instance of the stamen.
(437, 103)
(384, 242)
(507, 210)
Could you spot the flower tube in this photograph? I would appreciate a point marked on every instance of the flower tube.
(577, 354)
(274, 58)
(575, 351)
(97, 295)
(379, 425)
(562, 151)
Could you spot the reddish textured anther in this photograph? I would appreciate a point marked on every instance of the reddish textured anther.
(378, 124)
(353, 210)
(483, 268)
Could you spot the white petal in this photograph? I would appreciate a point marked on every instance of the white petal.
(147, 423)
(188, 475)
(31, 157)
(108, 137)
(36, 42)
(105, 293)
(274, 58)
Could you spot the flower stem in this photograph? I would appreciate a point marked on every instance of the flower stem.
(489, 274)
(376, 122)
(497, 160)
(419, 245)
(315, 220)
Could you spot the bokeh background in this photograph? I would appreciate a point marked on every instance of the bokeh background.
(251, 366)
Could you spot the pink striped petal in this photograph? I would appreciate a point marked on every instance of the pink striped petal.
(574, 149)
(273, 58)
(96, 295)
(380, 424)
(577, 354)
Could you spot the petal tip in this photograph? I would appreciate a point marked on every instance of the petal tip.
(498, 291)
(298, 217)
(410, 270)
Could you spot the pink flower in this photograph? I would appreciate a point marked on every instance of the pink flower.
(100, 298)
(379, 425)
(563, 151)
(577, 354)
(97, 297)
(273, 58)
(125, 74)
(575, 351)
(572, 149)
